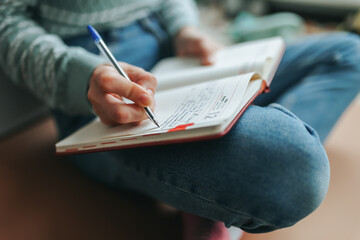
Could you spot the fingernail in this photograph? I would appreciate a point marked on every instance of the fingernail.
(145, 99)
(211, 59)
(151, 92)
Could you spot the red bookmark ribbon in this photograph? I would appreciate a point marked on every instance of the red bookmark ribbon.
(180, 127)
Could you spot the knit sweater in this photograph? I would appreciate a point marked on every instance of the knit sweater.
(32, 53)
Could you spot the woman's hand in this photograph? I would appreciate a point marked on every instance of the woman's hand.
(107, 89)
(191, 42)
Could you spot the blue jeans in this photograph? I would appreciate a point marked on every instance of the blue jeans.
(270, 170)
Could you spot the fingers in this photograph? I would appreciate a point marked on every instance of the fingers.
(113, 111)
(107, 88)
(140, 76)
(191, 42)
(109, 80)
(201, 49)
(207, 51)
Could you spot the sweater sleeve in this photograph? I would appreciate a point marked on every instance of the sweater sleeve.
(178, 13)
(41, 62)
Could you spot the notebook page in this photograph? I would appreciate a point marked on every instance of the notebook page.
(199, 104)
(256, 56)
(206, 73)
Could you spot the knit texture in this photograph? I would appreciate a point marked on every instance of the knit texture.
(33, 55)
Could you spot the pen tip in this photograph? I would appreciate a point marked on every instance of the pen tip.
(156, 123)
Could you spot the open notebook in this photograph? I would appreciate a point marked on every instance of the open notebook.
(193, 102)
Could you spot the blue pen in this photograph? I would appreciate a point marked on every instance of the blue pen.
(105, 50)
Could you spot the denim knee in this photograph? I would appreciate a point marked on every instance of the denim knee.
(294, 182)
(346, 47)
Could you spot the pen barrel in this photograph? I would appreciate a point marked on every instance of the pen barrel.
(149, 113)
(105, 50)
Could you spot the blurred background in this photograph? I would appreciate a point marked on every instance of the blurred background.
(242, 20)
(28, 135)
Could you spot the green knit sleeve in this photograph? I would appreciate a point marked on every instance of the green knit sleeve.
(177, 14)
(31, 57)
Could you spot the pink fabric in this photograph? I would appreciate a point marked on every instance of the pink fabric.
(198, 228)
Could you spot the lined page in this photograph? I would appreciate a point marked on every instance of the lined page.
(204, 103)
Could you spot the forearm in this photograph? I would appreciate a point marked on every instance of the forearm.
(41, 62)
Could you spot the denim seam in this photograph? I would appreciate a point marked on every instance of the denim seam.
(207, 200)
(219, 205)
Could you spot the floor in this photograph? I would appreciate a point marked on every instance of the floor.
(42, 197)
